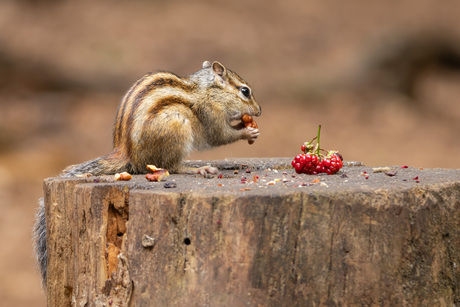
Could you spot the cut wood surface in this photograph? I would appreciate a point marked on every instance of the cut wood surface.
(256, 234)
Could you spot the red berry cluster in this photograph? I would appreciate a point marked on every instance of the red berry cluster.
(312, 162)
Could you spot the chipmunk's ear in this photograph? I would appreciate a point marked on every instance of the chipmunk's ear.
(220, 72)
(206, 64)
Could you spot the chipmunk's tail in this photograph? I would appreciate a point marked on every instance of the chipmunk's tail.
(39, 236)
(112, 163)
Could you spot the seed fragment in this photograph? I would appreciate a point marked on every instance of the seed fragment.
(391, 173)
(170, 185)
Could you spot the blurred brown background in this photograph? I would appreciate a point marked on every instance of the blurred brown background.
(383, 79)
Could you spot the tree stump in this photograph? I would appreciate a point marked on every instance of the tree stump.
(264, 236)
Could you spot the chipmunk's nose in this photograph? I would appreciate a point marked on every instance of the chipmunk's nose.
(260, 111)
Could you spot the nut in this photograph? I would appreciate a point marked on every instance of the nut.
(249, 122)
(158, 173)
(125, 176)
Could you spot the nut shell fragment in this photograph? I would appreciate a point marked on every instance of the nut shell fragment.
(153, 168)
(158, 173)
(381, 169)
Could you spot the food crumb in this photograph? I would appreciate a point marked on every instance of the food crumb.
(381, 169)
(170, 185)
(391, 173)
(125, 176)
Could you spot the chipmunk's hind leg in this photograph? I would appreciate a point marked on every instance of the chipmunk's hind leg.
(167, 141)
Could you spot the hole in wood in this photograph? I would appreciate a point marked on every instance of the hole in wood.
(187, 241)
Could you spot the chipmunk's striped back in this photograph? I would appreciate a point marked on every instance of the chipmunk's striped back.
(135, 122)
(135, 99)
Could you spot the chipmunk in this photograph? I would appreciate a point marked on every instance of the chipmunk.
(160, 120)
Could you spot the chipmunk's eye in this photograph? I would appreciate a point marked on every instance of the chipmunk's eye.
(245, 91)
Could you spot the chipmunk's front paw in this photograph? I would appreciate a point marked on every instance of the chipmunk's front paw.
(251, 134)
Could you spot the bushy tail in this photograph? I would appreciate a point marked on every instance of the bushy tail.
(39, 236)
(106, 165)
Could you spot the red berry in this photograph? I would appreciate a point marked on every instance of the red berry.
(297, 158)
(298, 168)
(320, 168)
(339, 155)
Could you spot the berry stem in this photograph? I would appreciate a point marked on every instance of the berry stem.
(308, 147)
(317, 141)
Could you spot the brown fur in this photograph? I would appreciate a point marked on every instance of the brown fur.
(163, 117)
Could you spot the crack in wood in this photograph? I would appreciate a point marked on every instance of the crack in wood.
(117, 217)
